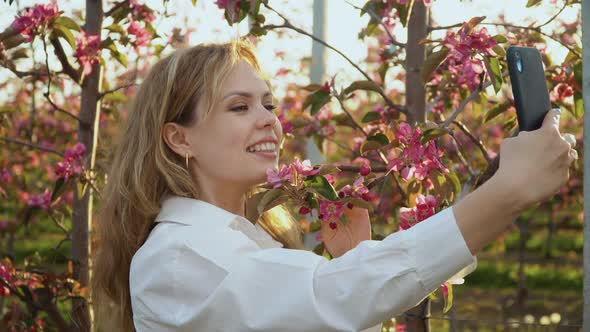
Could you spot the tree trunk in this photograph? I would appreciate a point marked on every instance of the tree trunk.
(415, 57)
(417, 319)
(87, 135)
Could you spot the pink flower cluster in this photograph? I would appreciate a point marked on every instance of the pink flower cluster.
(87, 51)
(7, 277)
(356, 190)
(287, 172)
(72, 163)
(286, 124)
(415, 160)
(424, 208)
(141, 12)
(566, 84)
(142, 36)
(331, 210)
(43, 200)
(34, 18)
(463, 46)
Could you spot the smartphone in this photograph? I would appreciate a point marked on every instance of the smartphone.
(529, 86)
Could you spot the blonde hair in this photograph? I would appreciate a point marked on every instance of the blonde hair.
(144, 169)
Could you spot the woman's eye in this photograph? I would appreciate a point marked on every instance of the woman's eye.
(271, 107)
(240, 108)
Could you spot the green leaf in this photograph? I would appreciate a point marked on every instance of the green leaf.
(120, 57)
(531, 3)
(578, 105)
(322, 186)
(363, 85)
(452, 176)
(495, 73)
(432, 133)
(449, 298)
(58, 189)
(371, 116)
(68, 23)
(500, 39)
(116, 28)
(495, 111)
(370, 146)
(116, 96)
(81, 187)
(65, 33)
(432, 62)
(315, 226)
(473, 22)
(194, 2)
(319, 249)
(317, 100)
(380, 138)
(499, 50)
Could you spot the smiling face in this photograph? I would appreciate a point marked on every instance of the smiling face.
(224, 142)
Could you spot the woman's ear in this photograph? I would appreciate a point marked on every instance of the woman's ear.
(175, 137)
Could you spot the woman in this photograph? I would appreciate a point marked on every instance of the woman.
(177, 254)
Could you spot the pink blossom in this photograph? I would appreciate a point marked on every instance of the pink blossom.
(43, 200)
(357, 189)
(87, 51)
(142, 36)
(415, 160)
(330, 210)
(276, 179)
(424, 209)
(463, 47)
(286, 124)
(72, 163)
(5, 176)
(33, 19)
(141, 12)
(304, 168)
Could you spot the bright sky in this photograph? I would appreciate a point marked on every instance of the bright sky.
(343, 25)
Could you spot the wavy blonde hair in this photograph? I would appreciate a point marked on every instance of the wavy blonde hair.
(144, 169)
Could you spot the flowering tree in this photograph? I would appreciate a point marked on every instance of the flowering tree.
(404, 155)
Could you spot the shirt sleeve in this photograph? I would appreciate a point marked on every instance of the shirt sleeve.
(250, 289)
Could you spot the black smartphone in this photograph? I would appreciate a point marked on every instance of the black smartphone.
(529, 86)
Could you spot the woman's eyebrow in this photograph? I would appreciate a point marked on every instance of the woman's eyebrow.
(246, 94)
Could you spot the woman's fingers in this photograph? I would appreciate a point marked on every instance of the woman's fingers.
(571, 139)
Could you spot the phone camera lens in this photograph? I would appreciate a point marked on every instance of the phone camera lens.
(518, 62)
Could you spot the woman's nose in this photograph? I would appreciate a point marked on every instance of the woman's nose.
(267, 119)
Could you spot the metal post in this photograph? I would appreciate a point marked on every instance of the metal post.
(318, 65)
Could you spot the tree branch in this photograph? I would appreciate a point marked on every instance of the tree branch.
(474, 139)
(116, 89)
(467, 100)
(30, 145)
(378, 19)
(287, 25)
(63, 59)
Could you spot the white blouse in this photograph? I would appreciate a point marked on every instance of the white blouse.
(203, 268)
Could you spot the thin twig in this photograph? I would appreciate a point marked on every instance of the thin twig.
(356, 124)
(461, 157)
(125, 86)
(378, 19)
(474, 139)
(31, 145)
(115, 7)
(287, 25)
(471, 97)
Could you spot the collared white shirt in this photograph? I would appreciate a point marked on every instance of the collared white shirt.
(203, 268)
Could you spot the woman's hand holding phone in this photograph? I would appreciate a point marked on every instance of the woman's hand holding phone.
(535, 164)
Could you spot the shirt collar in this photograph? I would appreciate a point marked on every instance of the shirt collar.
(190, 211)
